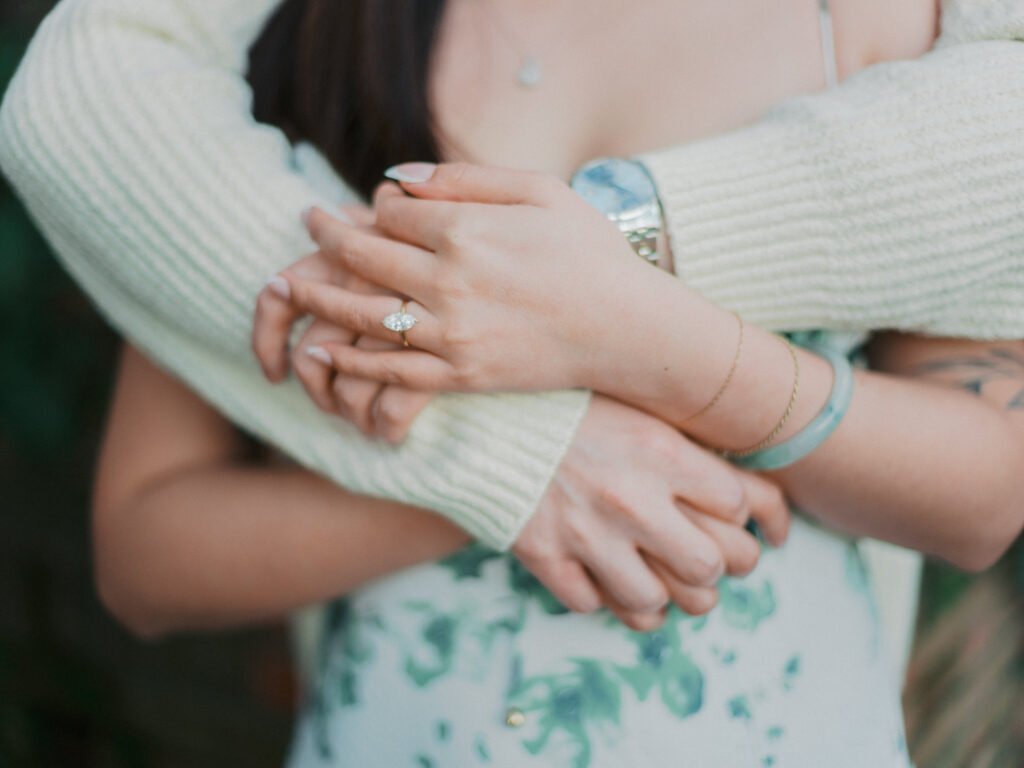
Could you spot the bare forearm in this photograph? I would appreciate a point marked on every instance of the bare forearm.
(930, 468)
(913, 462)
(229, 545)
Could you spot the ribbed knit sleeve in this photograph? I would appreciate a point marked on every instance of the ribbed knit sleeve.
(893, 201)
(127, 132)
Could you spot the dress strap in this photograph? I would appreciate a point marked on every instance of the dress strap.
(828, 44)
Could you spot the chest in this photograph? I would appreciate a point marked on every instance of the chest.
(616, 77)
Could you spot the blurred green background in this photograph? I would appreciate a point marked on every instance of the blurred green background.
(76, 690)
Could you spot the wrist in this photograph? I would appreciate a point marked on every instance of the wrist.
(661, 344)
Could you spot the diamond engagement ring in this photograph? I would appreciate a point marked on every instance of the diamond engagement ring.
(400, 322)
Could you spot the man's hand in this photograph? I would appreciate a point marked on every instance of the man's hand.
(637, 515)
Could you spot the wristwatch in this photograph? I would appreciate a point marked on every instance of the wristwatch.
(624, 191)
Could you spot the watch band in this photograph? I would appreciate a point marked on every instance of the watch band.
(645, 243)
(642, 227)
(624, 190)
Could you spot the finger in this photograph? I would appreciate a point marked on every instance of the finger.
(432, 225)
(384, 192)
(362, 313)
(569, 582)
(687, 551)
(695, 601)
(396, 409)
(406, 367)
(711, 484)
(360, 215)
(275, 314)
(466, 182)
(624, 575)
(398, 266)
(428, 224)
(315, 377)
(637, 621)
(740, 550)
(356, 398)
(768, 507)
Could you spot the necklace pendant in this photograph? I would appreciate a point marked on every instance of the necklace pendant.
(530, 73)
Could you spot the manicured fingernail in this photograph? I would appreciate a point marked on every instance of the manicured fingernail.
(338, 215)
(411, 173)
(280, 287)
(319, 354)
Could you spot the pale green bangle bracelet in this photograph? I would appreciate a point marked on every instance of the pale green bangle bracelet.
(814, 434)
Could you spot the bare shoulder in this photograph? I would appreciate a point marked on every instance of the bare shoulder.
(872, 31)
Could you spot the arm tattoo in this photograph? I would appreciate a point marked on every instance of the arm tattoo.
(974, 372)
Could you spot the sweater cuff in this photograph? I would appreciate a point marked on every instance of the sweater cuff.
(492, 494)
(841, 213)
(743, 208)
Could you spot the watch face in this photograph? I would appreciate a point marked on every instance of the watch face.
(614, 186)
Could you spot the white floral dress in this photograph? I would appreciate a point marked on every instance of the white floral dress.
(471, 662)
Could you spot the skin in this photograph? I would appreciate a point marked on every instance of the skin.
(575, 123)
(484, 117)
(491, 279)
(258, 541)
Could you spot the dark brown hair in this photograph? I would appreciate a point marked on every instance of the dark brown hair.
(350, 77)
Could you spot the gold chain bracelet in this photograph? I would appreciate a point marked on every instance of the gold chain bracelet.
(785, 416)
(728, 378)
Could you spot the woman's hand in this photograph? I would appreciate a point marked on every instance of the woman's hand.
(511, 275)
(378, 410)
(638, 515)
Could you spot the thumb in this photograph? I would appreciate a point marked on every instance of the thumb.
(465, 182)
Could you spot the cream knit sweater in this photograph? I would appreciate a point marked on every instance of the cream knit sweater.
(896, 200)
